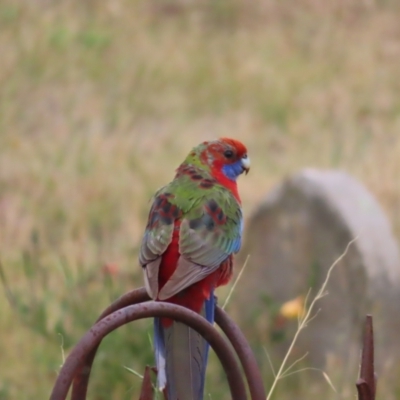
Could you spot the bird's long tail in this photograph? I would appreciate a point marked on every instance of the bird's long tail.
(181, 357)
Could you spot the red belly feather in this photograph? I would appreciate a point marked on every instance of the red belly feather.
(193, 296)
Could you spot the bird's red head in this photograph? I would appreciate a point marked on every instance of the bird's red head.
(224, 156)
(224, 159)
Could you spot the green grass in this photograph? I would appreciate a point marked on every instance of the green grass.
(100, 101)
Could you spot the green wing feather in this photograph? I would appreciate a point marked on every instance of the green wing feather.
(210, 231)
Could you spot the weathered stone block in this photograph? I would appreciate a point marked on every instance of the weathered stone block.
(297, 233)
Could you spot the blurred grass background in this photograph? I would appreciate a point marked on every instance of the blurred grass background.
(101, 100)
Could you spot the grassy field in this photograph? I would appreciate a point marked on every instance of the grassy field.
(100, 101)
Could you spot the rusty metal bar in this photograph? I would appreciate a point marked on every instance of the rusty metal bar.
(130, 313)
(133, 297)
(366, 383)
(81, 379)
(146, 392)
(243, 350)
(230, 329)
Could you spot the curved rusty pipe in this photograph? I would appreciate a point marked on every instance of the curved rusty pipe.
(244, 352)
(93, 337)
(81, 379)
(230, 329)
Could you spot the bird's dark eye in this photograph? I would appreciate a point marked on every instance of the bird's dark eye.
(228, 153)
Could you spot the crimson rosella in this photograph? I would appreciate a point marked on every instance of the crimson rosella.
(195, 225)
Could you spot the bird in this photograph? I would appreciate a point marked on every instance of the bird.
(194, 228)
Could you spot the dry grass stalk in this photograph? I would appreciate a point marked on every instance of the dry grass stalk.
(302, 324)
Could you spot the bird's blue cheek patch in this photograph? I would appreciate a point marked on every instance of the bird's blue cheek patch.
(232, 171)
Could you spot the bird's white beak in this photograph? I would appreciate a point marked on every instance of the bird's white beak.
(246, 163)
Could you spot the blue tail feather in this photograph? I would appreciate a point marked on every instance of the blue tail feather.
(209, 314)
(181, 357)
(159, 349)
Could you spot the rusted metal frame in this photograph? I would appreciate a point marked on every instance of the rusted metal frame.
(244, 352)
(230, 329)
(366, 383)
(146, 310)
